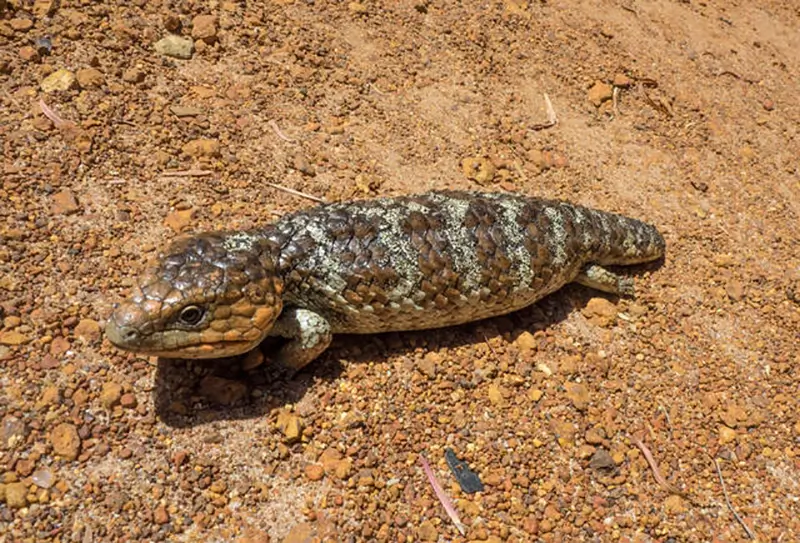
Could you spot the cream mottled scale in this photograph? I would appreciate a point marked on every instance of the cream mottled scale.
(415, 262)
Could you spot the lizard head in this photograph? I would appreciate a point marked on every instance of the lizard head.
(207, 296)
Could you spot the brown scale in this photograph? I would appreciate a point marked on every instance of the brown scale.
(491, 244)
(436, 268)
(536, 224)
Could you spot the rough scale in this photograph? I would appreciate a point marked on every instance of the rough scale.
(408, 263)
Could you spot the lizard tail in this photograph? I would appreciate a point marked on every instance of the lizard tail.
(617, 240)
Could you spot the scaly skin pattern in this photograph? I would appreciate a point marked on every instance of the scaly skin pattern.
(407, 263)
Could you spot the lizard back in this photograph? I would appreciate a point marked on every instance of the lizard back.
(444, 258)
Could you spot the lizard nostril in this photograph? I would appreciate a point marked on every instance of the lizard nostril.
(130, 335)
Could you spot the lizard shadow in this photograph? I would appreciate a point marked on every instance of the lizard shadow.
(191, 393)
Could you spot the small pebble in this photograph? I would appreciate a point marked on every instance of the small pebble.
(479, 169)
(204, 27)
(25, 467)
(496, 394)
(64, 203)
(16, 495)
(133, 75)
(43, 478)
(51, 395)
(60, 80)
(290, 425)
(179, 458)
(594, 436)
(80, 397)
(427, 531)
(674, 505)
(44, 8)
(334, 464)
(357, 7)
(65, 440)
(600, 312)
(89, 77)
(302, 165)
(59, 346)
(172, 23)
(602, 460)
(735, 290)
(29, 54)
(564, 431)
(12, 321)
(110, 394)
(160, 515)
(11, 337)
(428, 365)
(622, 81)
(201, 147)
(175, 46)
(185, 111)
(526, 342)
(726, 435)
(599, 93)
(314, 472)
(578, 395)
(88, 330)
(179, 220)
(21, 24)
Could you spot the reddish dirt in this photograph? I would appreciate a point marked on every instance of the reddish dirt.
(682, 113)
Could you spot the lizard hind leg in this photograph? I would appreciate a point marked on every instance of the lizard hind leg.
(309, 334)
(597, 277)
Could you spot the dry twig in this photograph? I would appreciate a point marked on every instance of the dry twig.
(486, 339)
(628, 8)
(437, 488)
(658, 106)
(667, 418)
(737, 76)
(657, 473)
(375, 88)
(615, 100)
(648, 82)
(552, 118)
(280, 134)
(728, 501)
(298, 193)
(52, 115)
(186, 173)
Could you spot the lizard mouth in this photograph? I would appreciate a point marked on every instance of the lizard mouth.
(206, 350)
(174, 343)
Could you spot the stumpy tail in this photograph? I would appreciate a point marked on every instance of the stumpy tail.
(618, 240)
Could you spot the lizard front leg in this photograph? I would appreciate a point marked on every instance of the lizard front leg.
(599, 278)
(309, 334)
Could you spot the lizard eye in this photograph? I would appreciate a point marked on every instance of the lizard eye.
(191, 315)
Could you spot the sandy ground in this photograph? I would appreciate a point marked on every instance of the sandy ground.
(682, 113)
